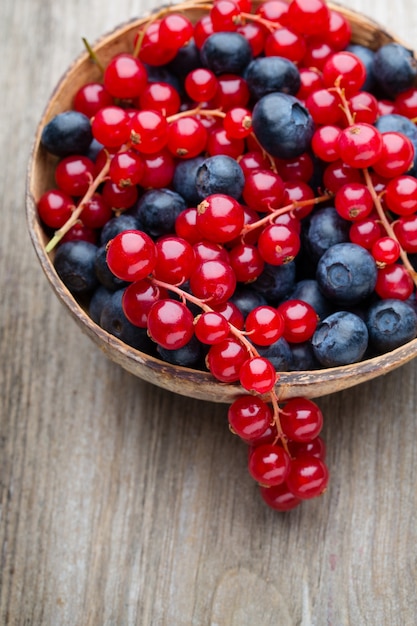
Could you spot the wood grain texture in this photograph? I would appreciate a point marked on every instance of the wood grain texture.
(123, 504)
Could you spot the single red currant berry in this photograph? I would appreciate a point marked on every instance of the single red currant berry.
(365, 232)
(119, 197)
(317, 53)
(211, 327)
(246, 262)
(126, 168)
(325, 142)
(401, 195)
(249, 417)
(354, 201)
(396, 157)
(269, 465)
(280, 498)
(225, 359)
(203, 28)
(297, 168)
(220, 218)
(224, 15)
(160, 96)
(393, 281)
(96, 212)
(308, 477)
(233, 91)
(213, 282)
(300, 320)
(278, 244)
(286, 43)
(55, 208)
(110, 126)
(385, 251)
(155, 50)
(309, 17)
(125, 76)
(338, 174)
(175, 260)
(219, 142)
(406, 103)
(301, 419)
(148, 131)
(315, 447)
(186, 225)
(79, 232)
(360, 145)
(345, 70)
(264, 325)
(176, 29)
(324, 107)
(231, 313)
(363, 107)
(201, 84)
(273, 10)
(339, 31)
(257, 374)
(255, 35)
(92, 97)
(210, 251)
(263, 190)
(74, 174)
(158, 171)
(137, 300)
(187, 137)
(170, 324)
(238, 123)
(311, 80)
(405, 229)
(131, 255)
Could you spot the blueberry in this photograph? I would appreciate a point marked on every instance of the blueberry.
(340, 339)
(184, 181)
(74, 264)
(395, 68)
(220, 174)
(346, 274)
(391, 323)
(157, 211)
(190, 355)
(366, 55)
(279, 354)
(282, 125)
(67, 133)
(103, 273)
(275, 282)
(268, 74)
(246, 299)
(323, 228)
(115, 322)
(97, 302)
(308, 291)
(226, 53)
(116, 225)
(303, 357)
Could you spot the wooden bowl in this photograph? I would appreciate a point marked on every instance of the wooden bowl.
(185, 381)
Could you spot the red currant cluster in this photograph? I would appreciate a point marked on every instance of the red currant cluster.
(144, 128)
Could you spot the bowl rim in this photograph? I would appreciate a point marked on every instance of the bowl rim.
(183, 380)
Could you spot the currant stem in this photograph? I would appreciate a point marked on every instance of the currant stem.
(93, 56)
(79, 209)
(196, 111)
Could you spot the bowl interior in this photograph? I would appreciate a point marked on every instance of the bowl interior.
(185, 381)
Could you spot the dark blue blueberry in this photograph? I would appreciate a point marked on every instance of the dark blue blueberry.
(391, 323)
(97, 302)
(275, 282)
(268, 74)
(157, 211)
(116, 225)
(246, 299)
(190, 355)
(394, 68)
(308, 291)
(303, 357)
(104, 274)
(74, 264)
(322, 229)
(220, 174)
(340, 339)
(67, 133)
(115, 322)
(346, 274)
(186, 60)
(279, 354)
(226, 53)
(184, 181)
(366, 55)
(282, 125)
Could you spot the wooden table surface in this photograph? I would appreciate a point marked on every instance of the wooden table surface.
(124, 504)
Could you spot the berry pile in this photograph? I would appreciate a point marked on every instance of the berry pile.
(239, 195)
